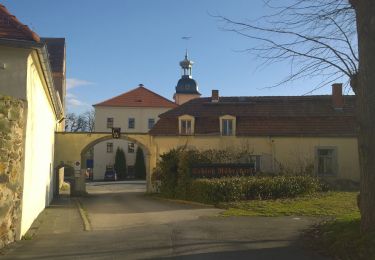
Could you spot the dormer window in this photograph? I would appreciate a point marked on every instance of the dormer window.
(228, 125)
(186, 125)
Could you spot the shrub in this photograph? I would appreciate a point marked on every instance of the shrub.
(173, 172)
(167, 172)
(250, 188)
(140, 167)
(120, 163)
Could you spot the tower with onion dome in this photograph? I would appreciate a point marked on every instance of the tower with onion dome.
(187, 87)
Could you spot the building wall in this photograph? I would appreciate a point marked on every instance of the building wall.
(290, 153)
(102, 158)
(183, 98)
(120, 116)
(39, 148)
(13, 76)
(12, 121)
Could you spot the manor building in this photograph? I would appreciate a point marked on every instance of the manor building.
(135, 111)
(315, 134)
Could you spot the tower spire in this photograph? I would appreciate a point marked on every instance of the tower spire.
(187, 87)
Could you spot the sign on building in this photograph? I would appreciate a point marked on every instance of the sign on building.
(116, 132)
(222, 170)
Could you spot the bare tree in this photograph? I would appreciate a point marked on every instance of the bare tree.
(80, 123)
(328, 39)
(90, 120)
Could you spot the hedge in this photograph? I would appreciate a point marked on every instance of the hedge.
(250, 188)
(173, 173)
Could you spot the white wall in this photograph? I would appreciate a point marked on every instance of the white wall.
(13, 77)
(39, 147)
(121, 116)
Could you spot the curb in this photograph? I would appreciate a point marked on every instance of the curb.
(84, 217)
(186, 202)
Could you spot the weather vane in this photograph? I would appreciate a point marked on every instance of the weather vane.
(186, 38)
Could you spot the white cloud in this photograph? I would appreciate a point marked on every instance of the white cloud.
(73, 83)
(71, 99)
(74, 102)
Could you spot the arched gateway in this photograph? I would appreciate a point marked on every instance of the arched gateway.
(71, 147)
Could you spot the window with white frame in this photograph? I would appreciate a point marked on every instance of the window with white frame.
(151, 123)
(131, 123)
(228, 125)
(326, 160)
(186, 127)
(109, 122)
(109, 147)
(131, 147)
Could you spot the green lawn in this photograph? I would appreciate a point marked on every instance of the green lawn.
(335, 204)
(339, 236)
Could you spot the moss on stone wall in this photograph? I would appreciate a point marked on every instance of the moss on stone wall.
(11, 160)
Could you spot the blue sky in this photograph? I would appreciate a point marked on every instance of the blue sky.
(114, 45)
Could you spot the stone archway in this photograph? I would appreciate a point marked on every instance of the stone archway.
(91, 145)
(69, 147)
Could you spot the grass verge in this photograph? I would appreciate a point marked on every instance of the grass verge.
(321, 204)
(339, 236)
(342, 239)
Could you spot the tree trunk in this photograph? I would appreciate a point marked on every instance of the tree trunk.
(365, 91)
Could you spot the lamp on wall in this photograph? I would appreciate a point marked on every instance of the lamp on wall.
(3, 65)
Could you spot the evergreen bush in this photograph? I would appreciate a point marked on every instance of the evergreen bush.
(120, 164)
(139, 166)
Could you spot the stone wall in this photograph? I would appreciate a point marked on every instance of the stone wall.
(12, 125)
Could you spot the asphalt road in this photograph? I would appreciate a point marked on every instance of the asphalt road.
(127, 224)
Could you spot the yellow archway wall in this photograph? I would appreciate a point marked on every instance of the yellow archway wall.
(69, 148)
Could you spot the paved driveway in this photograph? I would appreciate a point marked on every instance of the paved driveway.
(126, 224)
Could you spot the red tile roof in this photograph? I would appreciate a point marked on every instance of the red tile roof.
(12, 28)
(265, 116)
(138, 97)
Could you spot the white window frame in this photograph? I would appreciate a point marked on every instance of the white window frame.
(110, 122)
(131, 147)
(133, 119)
(184, 118)
(224, 118)
(334, 160)
(153, 122)
(109, 147)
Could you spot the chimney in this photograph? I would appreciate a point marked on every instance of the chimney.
(337, 97)
(215, 95)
